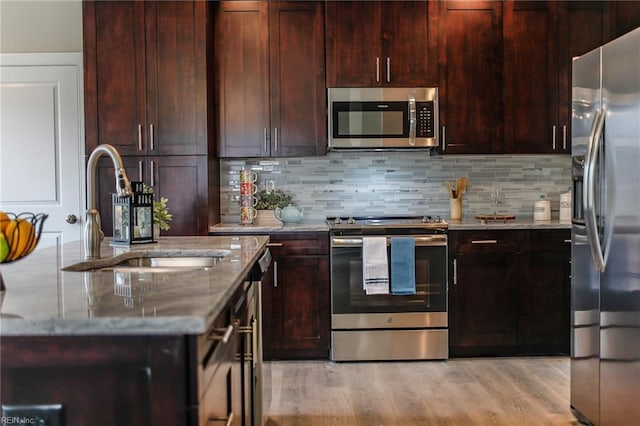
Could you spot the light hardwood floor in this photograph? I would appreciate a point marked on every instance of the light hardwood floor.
(458, 392)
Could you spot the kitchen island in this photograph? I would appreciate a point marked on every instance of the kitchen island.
(126, 345)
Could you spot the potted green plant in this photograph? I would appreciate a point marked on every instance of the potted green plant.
(161, 215)
(267, 202)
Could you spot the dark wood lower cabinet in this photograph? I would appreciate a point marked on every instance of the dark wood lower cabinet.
(192, 380)
(100, 381)
(296, 297)
(509, 292)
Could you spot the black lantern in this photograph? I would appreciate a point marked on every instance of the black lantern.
(133, 216)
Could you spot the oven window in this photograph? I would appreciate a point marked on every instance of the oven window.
(370, 119)
(349, 297)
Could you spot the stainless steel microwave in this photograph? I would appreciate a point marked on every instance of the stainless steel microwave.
(380, 118)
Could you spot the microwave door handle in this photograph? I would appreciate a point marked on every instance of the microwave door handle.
(412, 120)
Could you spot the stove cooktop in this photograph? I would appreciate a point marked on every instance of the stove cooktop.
(361, 222)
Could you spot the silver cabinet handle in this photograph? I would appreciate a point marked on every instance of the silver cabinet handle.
(455, 271)
(564, 137)
(444, 138)
(140, 137)
(275, 138)
(567, 241)
(153, 173)
(553, 131)
(264, 135)
(152, 143)
(388, 69)
(377, 69)
(484, 241)
(228, 420)
(274, 244)
(140, 171)
(224, 337)
(275, 274)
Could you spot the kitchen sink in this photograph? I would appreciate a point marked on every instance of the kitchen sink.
(170, 262)
(155, 262)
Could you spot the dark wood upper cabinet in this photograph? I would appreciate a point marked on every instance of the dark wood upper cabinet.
(624, 15)
(114, 75)
(471, 76)
(146, 93)
(583, 27)
(531, 65)
(374, 43)
(145, 76)
(270, 82)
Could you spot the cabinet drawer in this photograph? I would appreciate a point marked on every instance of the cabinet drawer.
(299, 243)
(481, 241)
(216, 346)
(545, 239)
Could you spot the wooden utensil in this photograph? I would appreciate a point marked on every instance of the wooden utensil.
(461, 185)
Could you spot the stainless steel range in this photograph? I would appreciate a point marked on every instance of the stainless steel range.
(388, 326)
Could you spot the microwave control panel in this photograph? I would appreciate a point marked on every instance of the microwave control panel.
(425, 128)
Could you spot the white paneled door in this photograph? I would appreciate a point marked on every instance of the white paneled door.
(42, 141)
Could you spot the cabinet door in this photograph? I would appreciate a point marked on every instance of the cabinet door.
(407, 57)
(114, 60)
(296, 67)
(471, 80)
(296, 298)
(625, 16)
(183, 180)
(242, 78)
(531, 79)
(354, 45)
(583, 28)
(482, 293)
(176, 78)
(544, 293)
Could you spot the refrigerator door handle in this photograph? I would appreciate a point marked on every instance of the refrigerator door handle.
(588, 196)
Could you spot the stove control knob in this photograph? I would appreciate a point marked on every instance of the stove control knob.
(351, 221)
(426, 219)
(438, 219)
(337, 221)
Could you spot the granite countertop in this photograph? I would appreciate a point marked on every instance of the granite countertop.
(518, 223)
(303, 226)
(465, 224)
(40, 299)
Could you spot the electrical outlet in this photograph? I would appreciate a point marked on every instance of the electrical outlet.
(38, 415)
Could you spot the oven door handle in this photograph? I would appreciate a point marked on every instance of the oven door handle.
(421, 241)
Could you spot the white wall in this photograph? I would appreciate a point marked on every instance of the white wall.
(28, 26)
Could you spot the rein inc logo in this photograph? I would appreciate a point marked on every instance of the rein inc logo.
(21, 420)
(37, 415)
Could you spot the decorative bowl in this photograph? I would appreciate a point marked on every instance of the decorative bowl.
(19, 236)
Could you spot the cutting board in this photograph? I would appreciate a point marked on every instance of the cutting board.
(499, 217)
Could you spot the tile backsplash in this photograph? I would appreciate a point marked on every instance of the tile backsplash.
(376, 183)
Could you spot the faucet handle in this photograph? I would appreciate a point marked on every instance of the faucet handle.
(122, 183)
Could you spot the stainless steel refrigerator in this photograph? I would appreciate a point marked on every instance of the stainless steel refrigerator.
(605, 276)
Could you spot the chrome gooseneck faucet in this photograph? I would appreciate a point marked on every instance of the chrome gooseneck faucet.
(93, 234)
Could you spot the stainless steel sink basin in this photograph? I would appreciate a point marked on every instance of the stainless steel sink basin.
(155, 262)
(170, 262)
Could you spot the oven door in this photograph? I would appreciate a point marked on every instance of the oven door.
(353, 309)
